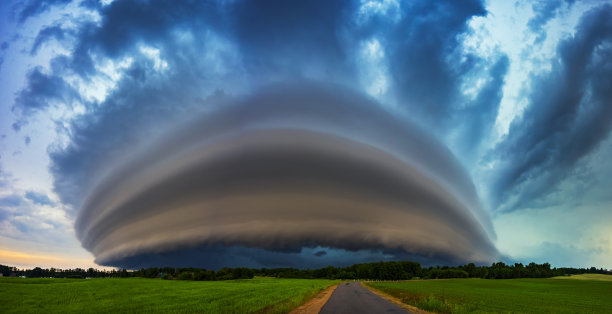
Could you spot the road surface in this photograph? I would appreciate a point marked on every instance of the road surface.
(353, 298)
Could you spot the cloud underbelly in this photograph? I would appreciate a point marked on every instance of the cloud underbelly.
(286, 177)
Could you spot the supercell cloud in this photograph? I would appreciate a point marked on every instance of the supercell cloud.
(292, 166)
(307, 133)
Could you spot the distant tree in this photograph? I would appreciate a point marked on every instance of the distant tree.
(471, 270)
(378, 271)
(5, 270)
(186, 275)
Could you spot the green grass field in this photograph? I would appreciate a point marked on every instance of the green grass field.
(600, 277)
(264, 295)
(505, 295)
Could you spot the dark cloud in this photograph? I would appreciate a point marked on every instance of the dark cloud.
(118, 126)
(569, 114)
(190, 77)
(476, 120)
(219, 256)
(27, 140)
(52, 32)
(127, 23)
(288, 168)
(545, 11)
(484, 109)
(39, 198)
(280, 37)
(320, 253)
(43, 90)
(31, 8)
(426, 76)
(314, 40)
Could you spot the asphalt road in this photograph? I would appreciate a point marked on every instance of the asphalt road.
(352, 298)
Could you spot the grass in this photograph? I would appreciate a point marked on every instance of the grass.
(259, 295)
(601, 277)
(503, 296)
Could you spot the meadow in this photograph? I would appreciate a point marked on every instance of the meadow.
(600, 277)
(53, 295)
(582, 295)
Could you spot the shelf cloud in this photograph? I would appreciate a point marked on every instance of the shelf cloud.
(292, 166)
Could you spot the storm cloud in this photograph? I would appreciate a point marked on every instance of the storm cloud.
(292, 166)
(570, 115)
(267, 133)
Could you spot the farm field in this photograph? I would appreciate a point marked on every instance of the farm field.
(51, 295)
(503, 295)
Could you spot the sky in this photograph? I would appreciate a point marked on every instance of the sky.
(305, 134)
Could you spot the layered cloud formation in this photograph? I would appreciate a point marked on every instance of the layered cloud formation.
(309, 133)
(290, 167)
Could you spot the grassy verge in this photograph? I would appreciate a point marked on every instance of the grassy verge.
(509, 295)
(259, 295)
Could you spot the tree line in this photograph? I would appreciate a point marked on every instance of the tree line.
(404, 270)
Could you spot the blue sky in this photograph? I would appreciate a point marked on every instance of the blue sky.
(514, 95)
